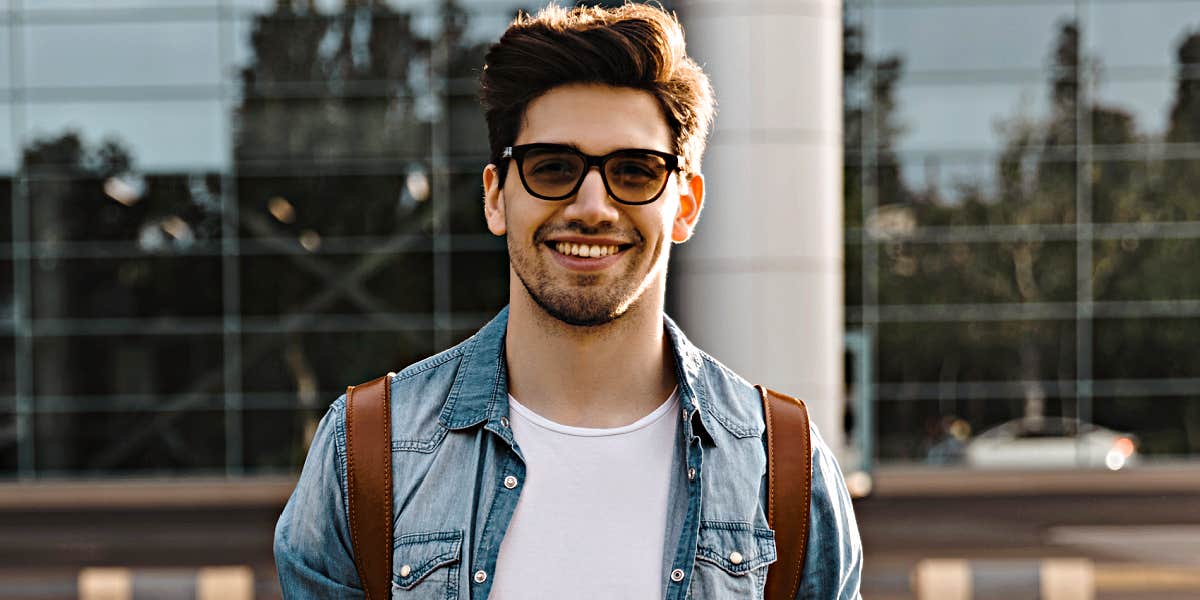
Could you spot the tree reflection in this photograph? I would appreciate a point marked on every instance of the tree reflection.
(1036, 181)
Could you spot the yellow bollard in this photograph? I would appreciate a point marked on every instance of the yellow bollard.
(942, 579)
(1067, 579)
(105, 583)
(225, 583)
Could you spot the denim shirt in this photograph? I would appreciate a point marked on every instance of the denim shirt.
(452, 451)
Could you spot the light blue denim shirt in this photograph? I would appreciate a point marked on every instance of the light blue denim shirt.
(452, 450)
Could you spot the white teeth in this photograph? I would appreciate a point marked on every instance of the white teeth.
(585, 250)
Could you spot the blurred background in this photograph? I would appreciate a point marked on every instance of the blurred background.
(972, 229)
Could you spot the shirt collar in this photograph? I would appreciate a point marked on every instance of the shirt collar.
(479, 393)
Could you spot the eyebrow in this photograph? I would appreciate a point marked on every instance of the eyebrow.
(576, 148)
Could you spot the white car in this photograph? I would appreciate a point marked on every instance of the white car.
(1050, 443)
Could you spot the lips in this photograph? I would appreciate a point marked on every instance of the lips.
(584, 250)
(586, 247)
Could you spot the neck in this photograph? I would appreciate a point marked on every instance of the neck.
(602, 376)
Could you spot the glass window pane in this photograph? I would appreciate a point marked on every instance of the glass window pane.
(102, 5)
(8, 153)
(189, 367)
(6, 189)
(962, 273)
(968, 37)
(151, 213)
(8, 445)
(119, 441)
(1124, 190)
(468, 130)
(123, 54)
(147, 287)
(7, 298)
(1143, 190)
(320, 364)
(313, 210)
(989, 351)
(355, 134)
(920, 430)
(1164, 425)
(1144, 348)
(278, 440)
(978, 116)
(1132, 109)
(1145, 269)
(853, 282)
(480, 281)
(852, 191)
(1143, 33)
(5, 67)
(175, 136)
(1024, 186)
(466, 203)
(8, 381)
(337, 284)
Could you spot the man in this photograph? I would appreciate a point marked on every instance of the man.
(578, 446)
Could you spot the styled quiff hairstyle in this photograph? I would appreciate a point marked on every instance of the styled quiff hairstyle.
(632, 46)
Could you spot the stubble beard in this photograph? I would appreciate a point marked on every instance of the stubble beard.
(584, 300)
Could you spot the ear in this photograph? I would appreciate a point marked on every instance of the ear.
(493, 201)
(691, 199)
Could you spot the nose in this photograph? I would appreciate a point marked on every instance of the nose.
(591, 205)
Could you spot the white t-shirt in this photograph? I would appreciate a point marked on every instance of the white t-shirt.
(592, 515)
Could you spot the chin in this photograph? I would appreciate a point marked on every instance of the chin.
(568, 307)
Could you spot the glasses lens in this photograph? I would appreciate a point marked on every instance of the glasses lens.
(551, 172)
(636, 176)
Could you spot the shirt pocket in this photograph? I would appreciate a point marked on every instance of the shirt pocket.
(731, 560)
(425, 565)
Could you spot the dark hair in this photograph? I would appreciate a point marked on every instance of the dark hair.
(635, 46)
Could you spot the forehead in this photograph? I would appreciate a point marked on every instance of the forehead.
(596, 118)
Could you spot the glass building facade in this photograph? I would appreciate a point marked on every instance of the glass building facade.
(218, 213)
(1022, 215)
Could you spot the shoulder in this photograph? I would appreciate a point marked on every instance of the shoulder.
(418, 393)
(732, 400)
(833, 563)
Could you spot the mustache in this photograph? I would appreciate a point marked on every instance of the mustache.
(543, 233)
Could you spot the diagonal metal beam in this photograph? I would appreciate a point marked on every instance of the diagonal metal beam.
(209, 382)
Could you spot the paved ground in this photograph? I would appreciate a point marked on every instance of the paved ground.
(163, 531)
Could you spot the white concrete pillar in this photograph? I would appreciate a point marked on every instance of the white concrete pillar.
(760, 285)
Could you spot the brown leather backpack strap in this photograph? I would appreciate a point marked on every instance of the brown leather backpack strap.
(789, 489)
(369, 483)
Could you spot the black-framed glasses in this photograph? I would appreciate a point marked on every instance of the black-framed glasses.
(555, 171)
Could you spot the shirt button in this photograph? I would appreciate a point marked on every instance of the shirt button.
(405, 570)
(691, 473)
(735, 557)
(510, 482)
(677, 575)
(504, 422)
(480, 576)
(684, 414)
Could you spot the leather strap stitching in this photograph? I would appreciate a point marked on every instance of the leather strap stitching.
(352, 488)
(807, 502)
(387, 470)
(770, 457)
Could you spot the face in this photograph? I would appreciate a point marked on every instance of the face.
(587, 260)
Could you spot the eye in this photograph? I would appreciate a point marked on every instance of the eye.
(636, 170)
(552, 167)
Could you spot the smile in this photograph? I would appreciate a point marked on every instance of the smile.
(584, 250)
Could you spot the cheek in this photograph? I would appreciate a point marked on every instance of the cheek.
(524, 218)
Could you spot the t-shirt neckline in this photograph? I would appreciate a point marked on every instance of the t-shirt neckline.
(642, 423)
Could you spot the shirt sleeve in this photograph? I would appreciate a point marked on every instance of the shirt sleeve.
(313, 552)
(833, 562)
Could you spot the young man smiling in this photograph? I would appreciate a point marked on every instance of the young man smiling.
(578, 446)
